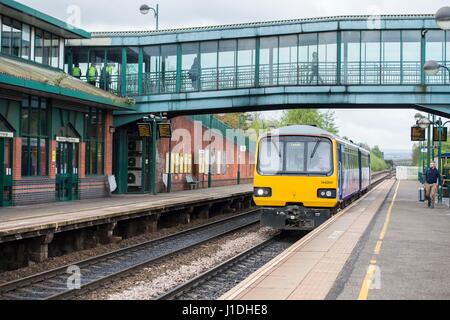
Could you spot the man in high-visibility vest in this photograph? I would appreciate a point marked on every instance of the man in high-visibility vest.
(92, 75)
(76, 71)
(109, 72)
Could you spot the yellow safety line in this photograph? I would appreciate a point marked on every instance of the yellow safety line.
(364, 292)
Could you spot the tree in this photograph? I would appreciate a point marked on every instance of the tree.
(233, 120)
(324, 120)
(376, 150)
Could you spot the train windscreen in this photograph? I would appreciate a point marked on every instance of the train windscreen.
(295, 155)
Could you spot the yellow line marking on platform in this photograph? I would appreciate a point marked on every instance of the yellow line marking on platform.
(365, 287)
(378, 247)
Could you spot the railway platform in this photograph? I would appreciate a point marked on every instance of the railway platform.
(387, 245)
(27, 232)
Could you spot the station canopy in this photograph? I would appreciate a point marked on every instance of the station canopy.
(54, 78)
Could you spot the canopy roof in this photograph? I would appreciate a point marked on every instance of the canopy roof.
(41, 20)
(19, 73)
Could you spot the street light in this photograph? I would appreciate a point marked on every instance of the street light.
(431, 68)
(145, 9)
(442, 18)
(418, 116)
(423, 122)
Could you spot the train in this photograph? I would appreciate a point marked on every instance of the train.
(304, 174)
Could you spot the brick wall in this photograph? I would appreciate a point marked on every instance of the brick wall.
(33, 190)
(52, 157)
(183, 143)
(17, 159)
(81, 160)
(92, 187)
(108, 143)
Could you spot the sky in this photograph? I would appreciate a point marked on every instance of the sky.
(388, 129)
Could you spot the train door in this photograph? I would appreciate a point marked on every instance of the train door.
(360, 169)
(340, 171)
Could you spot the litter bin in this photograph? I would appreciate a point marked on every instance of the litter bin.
(421, 193)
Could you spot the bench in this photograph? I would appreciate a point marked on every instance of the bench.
(191, 182)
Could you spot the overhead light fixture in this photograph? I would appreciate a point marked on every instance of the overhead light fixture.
(442, 18)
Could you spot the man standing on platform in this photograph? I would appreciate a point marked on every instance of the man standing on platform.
(431, 183)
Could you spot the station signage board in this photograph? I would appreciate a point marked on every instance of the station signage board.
(6, 134)
(417, 134)
(443, 134)
(144, 129)
(165, 130)
(67, 139)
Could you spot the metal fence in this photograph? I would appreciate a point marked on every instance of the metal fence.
(266, 75)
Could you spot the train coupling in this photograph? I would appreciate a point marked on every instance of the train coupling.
(294, 217)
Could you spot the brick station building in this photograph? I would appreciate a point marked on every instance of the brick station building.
(55, 141)
(59, 138)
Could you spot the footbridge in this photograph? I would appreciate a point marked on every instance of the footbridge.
(334, 62)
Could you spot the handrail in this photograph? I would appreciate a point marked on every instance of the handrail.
(304, 73)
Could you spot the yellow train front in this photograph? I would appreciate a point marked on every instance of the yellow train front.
(303, 174)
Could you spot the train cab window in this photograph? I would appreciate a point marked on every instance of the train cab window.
(319, 155)
(295, 155)
(271, 156)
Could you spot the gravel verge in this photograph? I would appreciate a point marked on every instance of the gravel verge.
(150, 282)
(55, 262)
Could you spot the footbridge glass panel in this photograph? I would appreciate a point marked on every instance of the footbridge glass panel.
(389, 56)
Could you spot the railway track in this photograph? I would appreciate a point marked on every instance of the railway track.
(99, 270)
(215, 282)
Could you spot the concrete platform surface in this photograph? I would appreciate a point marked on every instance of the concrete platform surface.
(17, 220)
(405, 255)
(385, 246)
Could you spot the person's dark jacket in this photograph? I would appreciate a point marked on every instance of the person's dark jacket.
(432, 175)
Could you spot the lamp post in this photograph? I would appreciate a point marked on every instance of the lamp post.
(425, 122)
(145, 9)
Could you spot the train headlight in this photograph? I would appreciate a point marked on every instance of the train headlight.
(262, 192)
(326, 193)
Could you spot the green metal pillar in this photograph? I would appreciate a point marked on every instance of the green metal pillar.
(123, 73)
(179, 66)
(140, 70)
(422, 58)
(154, 141)
(419, 163)
(428, 143)
(238, 161)
(209, 152)
(120, 160)
(169, 173)
(338, 57)
(257, 61)
(439, 160)
(432, 141)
